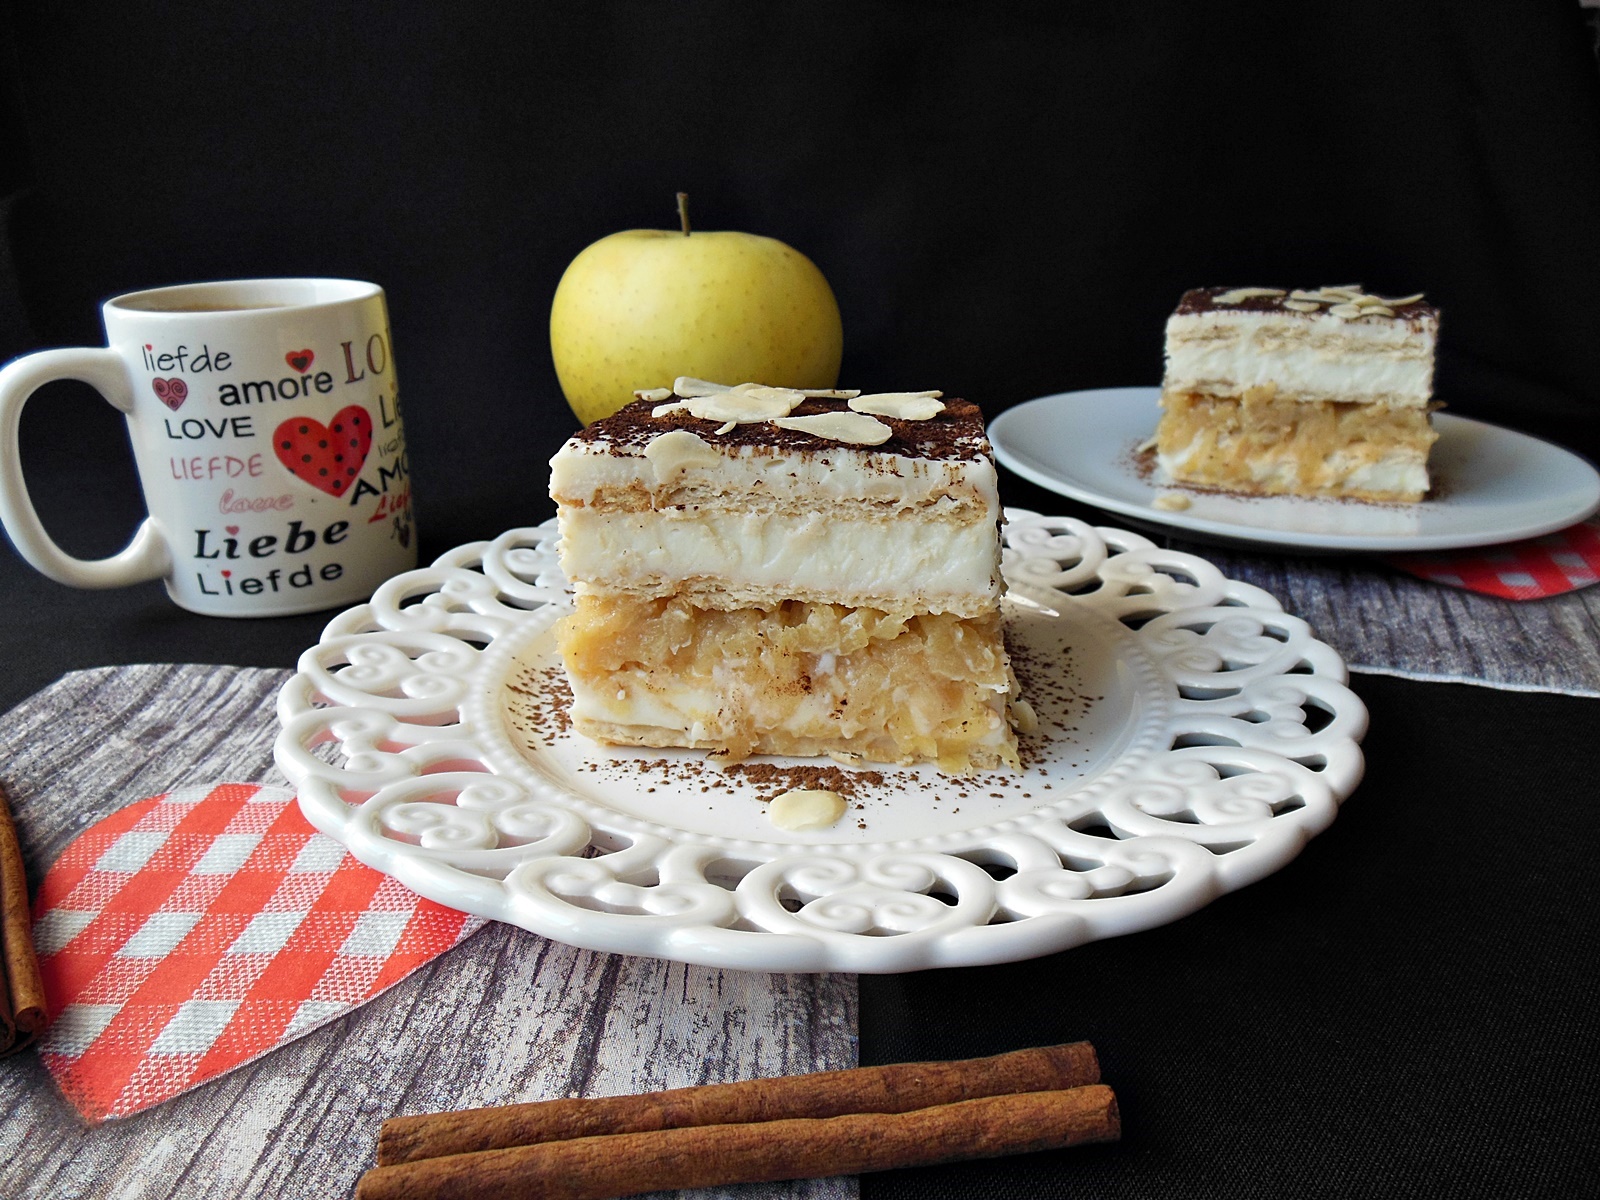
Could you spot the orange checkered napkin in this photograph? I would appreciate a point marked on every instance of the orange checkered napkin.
(192, 932)
(1530, 570)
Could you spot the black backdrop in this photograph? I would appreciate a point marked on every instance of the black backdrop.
(1006, 204)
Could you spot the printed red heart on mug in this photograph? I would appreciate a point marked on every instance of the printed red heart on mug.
(328, 457)
(300, 360)
(171, 392)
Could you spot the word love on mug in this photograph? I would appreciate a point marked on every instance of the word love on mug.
(278, 479)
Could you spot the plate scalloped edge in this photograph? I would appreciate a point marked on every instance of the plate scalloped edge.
(1255, 744)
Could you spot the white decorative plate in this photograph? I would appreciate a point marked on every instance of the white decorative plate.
(1493, 485)
(1192, 737)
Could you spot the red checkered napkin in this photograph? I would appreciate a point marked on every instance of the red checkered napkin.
(1530, 570)
(192, 932)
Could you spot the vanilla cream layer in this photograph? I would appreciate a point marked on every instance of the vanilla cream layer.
(835, 554)
(1305, 357)
(753, 525)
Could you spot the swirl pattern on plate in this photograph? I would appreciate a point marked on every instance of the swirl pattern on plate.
(1226, 740)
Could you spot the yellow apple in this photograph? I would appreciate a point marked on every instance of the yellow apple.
(639, 308)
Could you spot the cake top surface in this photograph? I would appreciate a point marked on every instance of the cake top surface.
(955, 433)
(1349, 302)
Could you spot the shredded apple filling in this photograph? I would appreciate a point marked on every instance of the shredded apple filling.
(798, 678)
(1215, 440)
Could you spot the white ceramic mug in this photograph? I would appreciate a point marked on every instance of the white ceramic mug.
(265, 422)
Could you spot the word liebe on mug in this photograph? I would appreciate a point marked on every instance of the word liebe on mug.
(277, 479)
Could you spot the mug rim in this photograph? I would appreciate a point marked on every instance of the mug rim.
(348, 290)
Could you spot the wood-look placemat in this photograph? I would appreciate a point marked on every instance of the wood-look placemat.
(1388, 623)
(506, 1016)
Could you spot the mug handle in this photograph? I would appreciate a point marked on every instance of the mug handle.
(146, 557)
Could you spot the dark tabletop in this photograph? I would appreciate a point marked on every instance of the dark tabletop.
(1006, 207)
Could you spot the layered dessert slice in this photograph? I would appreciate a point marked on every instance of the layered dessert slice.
(763, 571)
(1308, 393)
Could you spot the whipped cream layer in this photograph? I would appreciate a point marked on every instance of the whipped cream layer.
(1303, 356)
(839, 555)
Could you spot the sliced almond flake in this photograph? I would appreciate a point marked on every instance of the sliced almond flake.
(1302, 305)
(662, 410)
(740, 406)
(1377, 310)
(1345, 287)
(1366, 301)
(1016, 597)
(1342, 293)
(790, 396)
(1400, 300)
(807, 393)
(1308, 297)
(1344, 310)
(907, 406)
(687, 386)
(1023, 717)
(654, 394)
(671, 454)
(727, 427)
(1241, 294)
(857, 429)
(806, 808)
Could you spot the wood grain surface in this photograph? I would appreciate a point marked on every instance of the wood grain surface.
(1389, 623)
(507, 1016)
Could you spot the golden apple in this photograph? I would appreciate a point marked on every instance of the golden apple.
(639, 308)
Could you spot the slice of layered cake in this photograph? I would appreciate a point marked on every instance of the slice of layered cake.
(765, 571)
(1307, 393)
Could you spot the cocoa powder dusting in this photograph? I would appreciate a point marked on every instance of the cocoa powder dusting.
(770, 780)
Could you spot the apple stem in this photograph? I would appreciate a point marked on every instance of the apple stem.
(683, 211)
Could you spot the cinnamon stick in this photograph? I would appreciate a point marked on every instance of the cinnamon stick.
(899, 1087)
(22, 1005)
(596, 1168)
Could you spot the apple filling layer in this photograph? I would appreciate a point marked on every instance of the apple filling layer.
(1262, 444)
(796, 679)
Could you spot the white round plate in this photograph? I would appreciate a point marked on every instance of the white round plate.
(1492, 485)
(1192, 737)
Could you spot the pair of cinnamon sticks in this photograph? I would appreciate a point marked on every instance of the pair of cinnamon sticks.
(22, 1010)
(792, 1127)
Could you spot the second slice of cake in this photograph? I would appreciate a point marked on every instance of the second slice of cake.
(1310, 393)
(759, 579)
